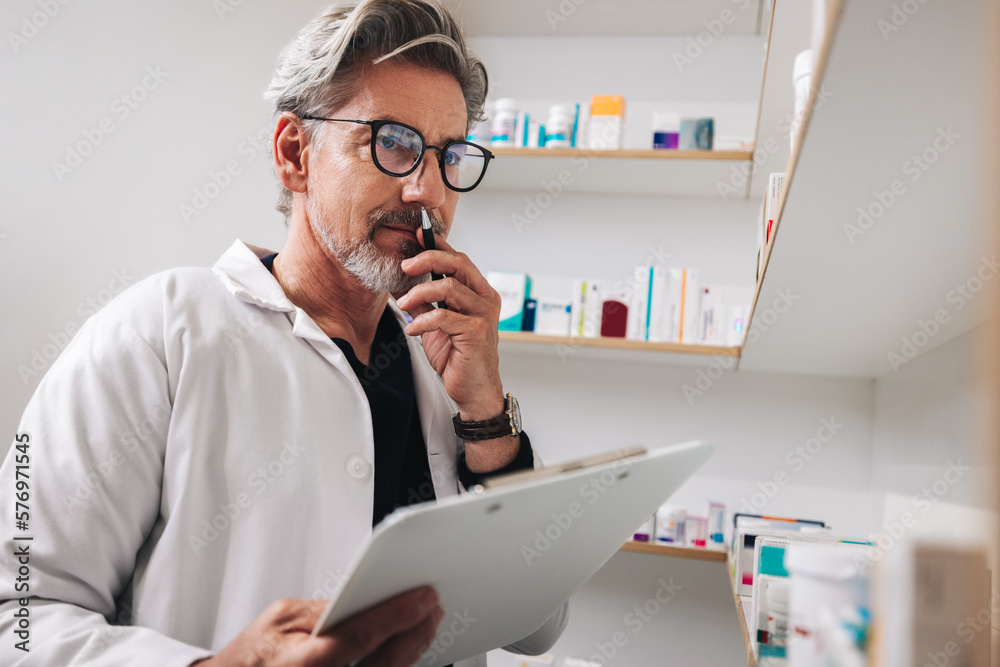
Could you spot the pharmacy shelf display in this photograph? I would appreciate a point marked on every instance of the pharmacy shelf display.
(645, 171)
(661, 173)
(877, 252)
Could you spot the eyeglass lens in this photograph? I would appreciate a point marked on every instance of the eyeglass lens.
(397, 149)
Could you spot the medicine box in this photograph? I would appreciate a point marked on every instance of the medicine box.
(514, 287)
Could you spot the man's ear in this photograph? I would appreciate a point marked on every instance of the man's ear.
(291, 151)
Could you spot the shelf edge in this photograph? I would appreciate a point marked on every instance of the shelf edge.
(691, 553)
(645, 153)
(815, 86)
(741, 618)
(619, 344)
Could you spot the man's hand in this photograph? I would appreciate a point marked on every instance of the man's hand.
(461, 341)
(394, 633)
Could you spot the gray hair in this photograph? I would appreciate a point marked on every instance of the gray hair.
(318, 70)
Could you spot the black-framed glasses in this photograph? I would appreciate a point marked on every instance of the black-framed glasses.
(398, 148)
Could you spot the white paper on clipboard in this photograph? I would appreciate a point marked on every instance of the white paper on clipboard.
(509, 557)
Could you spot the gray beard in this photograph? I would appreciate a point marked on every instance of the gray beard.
(376, 270)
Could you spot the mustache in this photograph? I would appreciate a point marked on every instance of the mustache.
(409, 218)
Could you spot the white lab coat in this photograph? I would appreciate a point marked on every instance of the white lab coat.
(199, 450)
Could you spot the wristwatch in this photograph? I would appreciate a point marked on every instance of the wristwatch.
(507, 423)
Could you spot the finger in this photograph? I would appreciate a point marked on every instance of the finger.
(406, 648)
(363, 633)
(283, 628)
(449, 263)
(416, 309)
(294, 614)
(442, 244)
(457, 295)
(451, 323)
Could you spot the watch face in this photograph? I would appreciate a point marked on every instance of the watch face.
(515, 414)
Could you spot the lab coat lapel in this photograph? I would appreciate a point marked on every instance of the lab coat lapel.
(248, 279)
(306, 328)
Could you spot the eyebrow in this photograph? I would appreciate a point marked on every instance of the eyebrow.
(422, 133)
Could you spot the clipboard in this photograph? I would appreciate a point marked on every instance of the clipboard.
(505, 558)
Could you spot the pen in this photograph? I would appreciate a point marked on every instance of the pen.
(429, 244)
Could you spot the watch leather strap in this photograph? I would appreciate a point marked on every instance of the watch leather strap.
(486, 429)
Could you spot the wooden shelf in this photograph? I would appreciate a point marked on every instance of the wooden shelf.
(786, 39)
(867, 290)
(618, 344)
(548, 172)
(742, 609)
(691, 553)
(616, 349)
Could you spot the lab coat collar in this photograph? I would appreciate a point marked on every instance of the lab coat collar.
(248, 279)
(243, 274)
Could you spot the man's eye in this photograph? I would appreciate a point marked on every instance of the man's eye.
(452, 159)
(387, 142)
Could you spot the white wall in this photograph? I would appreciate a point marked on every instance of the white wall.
(932, 455)
(63, 239)
(931, 413)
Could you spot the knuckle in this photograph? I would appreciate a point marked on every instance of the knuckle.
(493, 297)
(282, 608)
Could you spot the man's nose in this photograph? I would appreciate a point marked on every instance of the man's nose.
(426, 185)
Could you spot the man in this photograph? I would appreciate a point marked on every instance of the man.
(215, 442)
